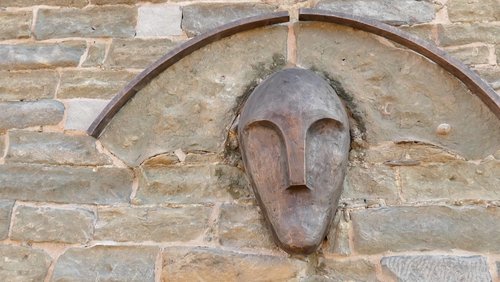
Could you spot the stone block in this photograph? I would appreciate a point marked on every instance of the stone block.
(161, 160)
(15, 24)
(497, 53)
(136, 53)
(126, 2)
(406, 154)
(338, 235)
(5, 213)
(101, 84)
(46, 224)
(96, 54)
(395, 94)
(436, 268)
(191, 184)
(244, 227)
(23, 263)
(424, 31)
(466, 33)
(41, 55)
(471, 55)
(107, 263)
(64, 184)
(3, 148)
(473, 11)
(396, 12)
(159, 20)
(28, 114)
(370, 183)
(199, 18)
(29, 3)
(426, 228)
(158, 224)
(346, 270)
(28, 85)
(54, 148)
(184, 264)
(195, 115)
(451, 181)
(491, 75)
(82, 112)
(107, 21)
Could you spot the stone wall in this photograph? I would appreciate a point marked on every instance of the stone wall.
(178, 206)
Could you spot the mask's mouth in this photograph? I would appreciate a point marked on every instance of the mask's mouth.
(298, 188)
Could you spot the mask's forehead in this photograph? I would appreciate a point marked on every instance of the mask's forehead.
(294, 91)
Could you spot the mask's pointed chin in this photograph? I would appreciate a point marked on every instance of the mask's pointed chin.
(299, 247)
(301, 231)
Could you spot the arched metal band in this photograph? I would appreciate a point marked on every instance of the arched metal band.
(480, 88)
(440, 57)
(175, 55)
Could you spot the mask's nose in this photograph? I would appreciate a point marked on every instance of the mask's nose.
(295, 150)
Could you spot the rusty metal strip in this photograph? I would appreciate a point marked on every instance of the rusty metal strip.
(140, 81)
(440, 57)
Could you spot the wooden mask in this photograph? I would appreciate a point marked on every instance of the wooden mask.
(294, 139)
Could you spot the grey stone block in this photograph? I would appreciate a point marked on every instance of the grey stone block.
(370, 183)
(28, 3)
(426, 228)
(3, 148)
(127, 2)
(199, 18)
(107, 263)
(28, 114)
(28, 85)
(396, 12)
(95, 55)
(359, 270)
(157, 224)
(437, 268)
(5, 215)
(159, 20)
(466, 33)
(53, 148)
(492, 75)
(136, 53)
(102, 84)
(191, 184)
(46, 224)
(23, 263)
(108, 21)
(15, 24)
(244, 226)
(64, 184)
(454, 180)
(471, 55)
(82, 112)
(185, 264)
(473, 11)
(41, 55)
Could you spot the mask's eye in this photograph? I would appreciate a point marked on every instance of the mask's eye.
(325, 144)
(325, 126)
(265, 155)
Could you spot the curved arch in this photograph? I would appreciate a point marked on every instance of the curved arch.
(480, 88)
(175, 55)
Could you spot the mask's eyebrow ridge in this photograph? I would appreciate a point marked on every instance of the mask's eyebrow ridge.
(338, 124)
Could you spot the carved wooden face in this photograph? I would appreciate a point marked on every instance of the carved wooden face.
(294, 139)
